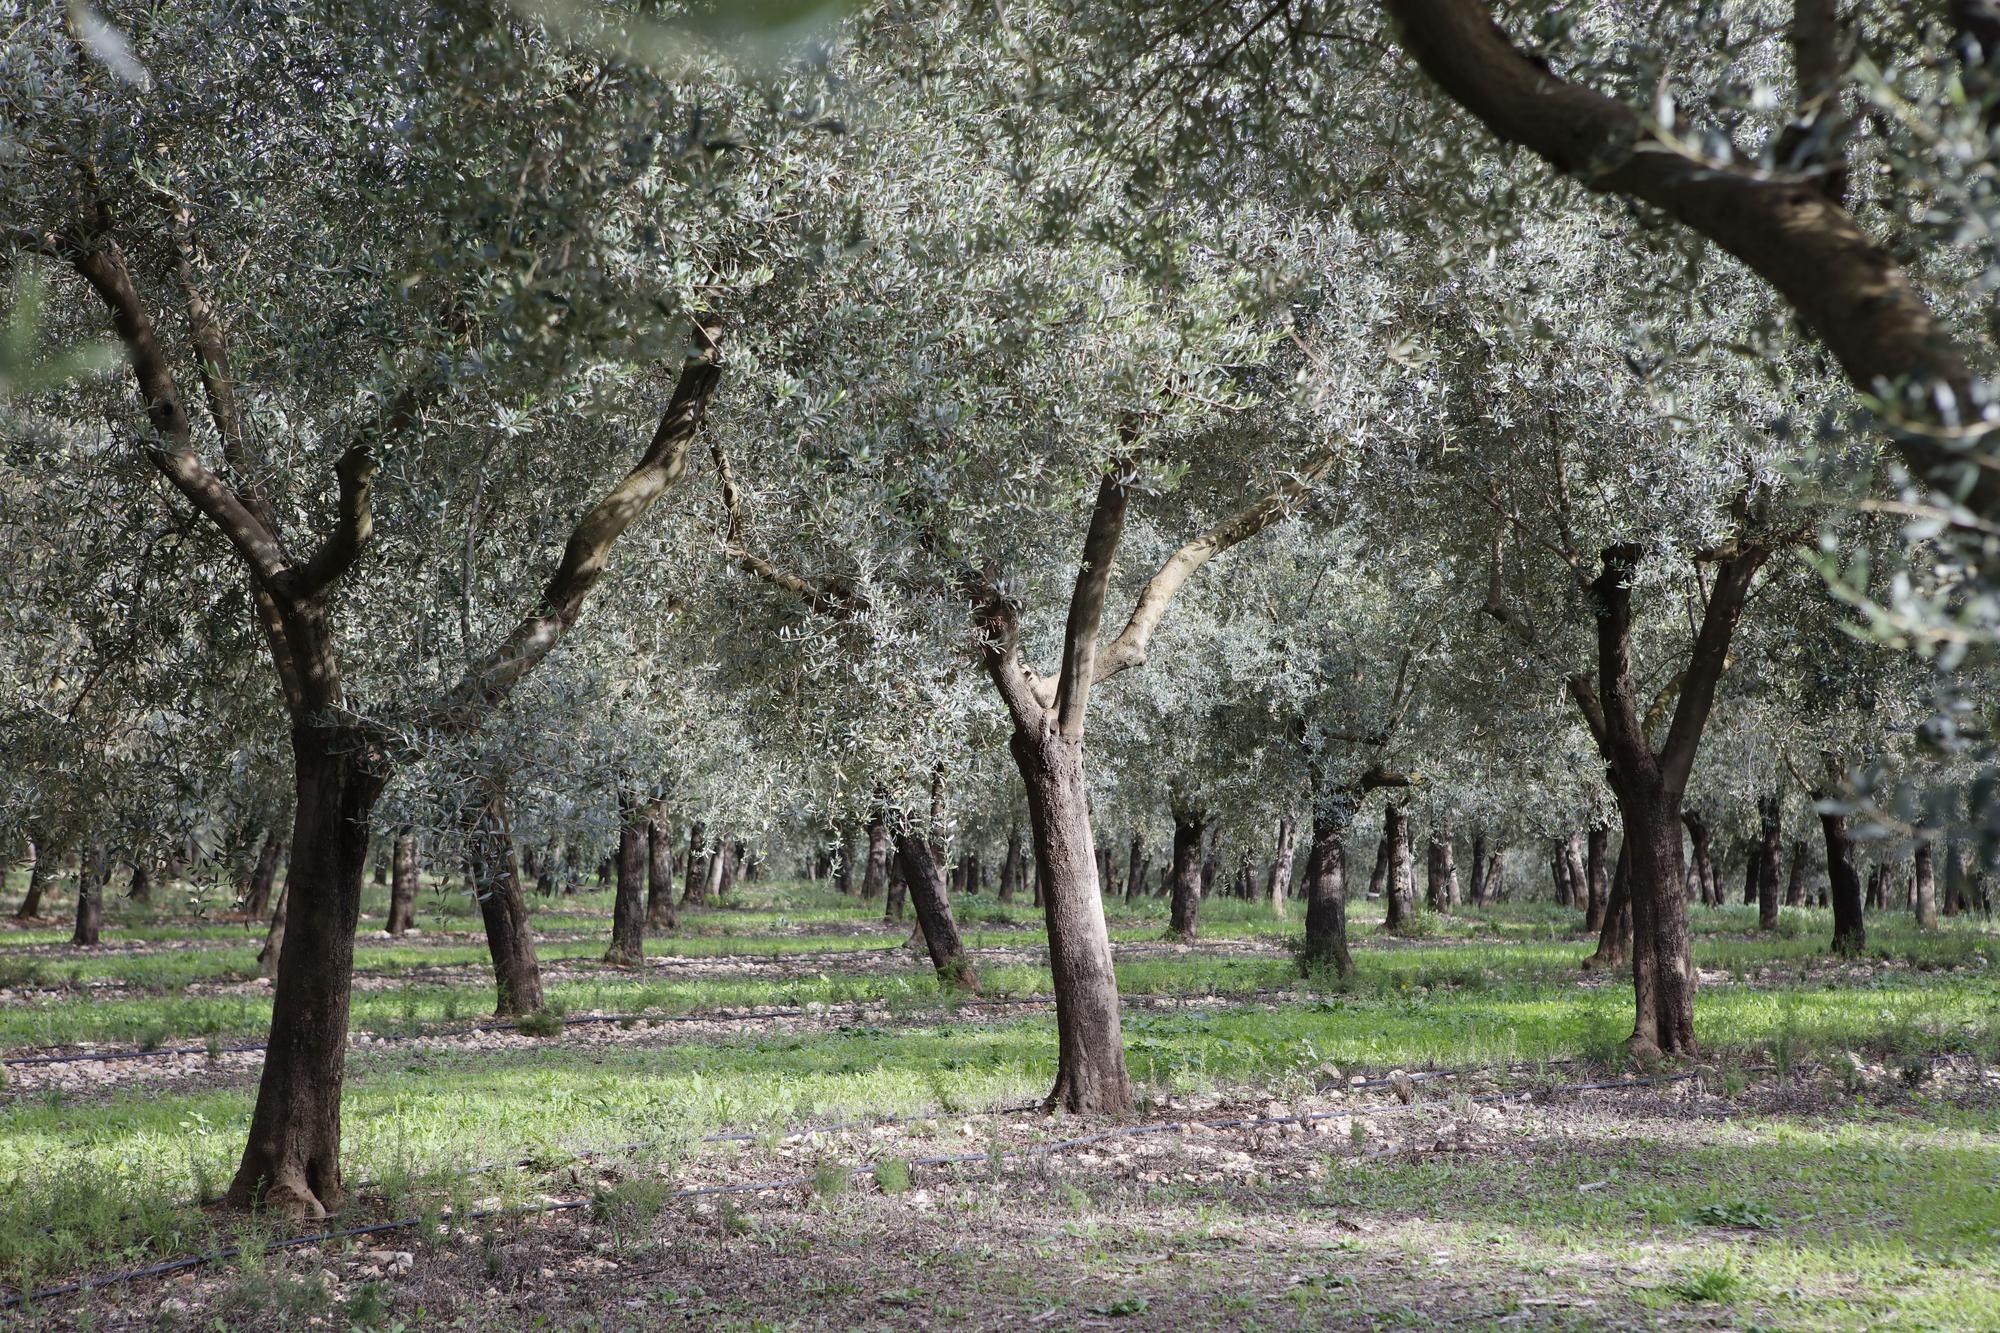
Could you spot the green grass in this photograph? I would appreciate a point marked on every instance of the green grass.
(102, 1181)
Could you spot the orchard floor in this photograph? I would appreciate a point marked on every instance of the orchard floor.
(1413, 1148)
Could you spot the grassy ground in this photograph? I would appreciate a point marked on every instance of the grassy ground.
(1821, 1171)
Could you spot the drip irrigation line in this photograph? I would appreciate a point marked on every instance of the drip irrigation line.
(1032, 1152)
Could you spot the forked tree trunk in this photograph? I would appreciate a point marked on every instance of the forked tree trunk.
(292, 1159)
(264, 874)
(91, 878)
(696, 892)
(1090, 1069)
(874, 879)
(1597, 873)
(403, 882)
(1850, 928)
(1614, 936)
(1795, 884)
(628, 903)
(1578, 872)
(660, 914)
(1402, 886)
(1326, 888)
(1770, 852)
(1010, 869)
(936, 925)
(38, 883)
(1495, 882)
(1185, 913)
(496, 882)
(1924, 885)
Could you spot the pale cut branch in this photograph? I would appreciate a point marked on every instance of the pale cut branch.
(1129, 648)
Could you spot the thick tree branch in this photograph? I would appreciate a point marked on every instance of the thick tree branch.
(588, 550)
(1706, 662)
(1844, 286)
(1129, 648)
(102, 265)
(1086, 602)
(1624, 737)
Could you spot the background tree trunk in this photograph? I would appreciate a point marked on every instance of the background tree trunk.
(1185, 913)
(274, 940)
(1010, 869)
(1281, 869)
(660, 914)
(1770, 850)
(91, 878)
(1402, 886)
(896, 886)
(1495, 883)
(1924, 882)
(1479, 868)
(1850, 929)
(403, 882)
(1701, 862)
(628, 904)
(696, 892)
(1597, 872)
(1326, 888)
(1795, 884)
(264, 874)
(1614, 938)
(140, 890)
(936, 925)
(38, 883)
(1378, 878)
(1135, 867)
(496, 882)
(1579, 875)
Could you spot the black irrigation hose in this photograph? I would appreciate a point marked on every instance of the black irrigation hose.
(794, 1182)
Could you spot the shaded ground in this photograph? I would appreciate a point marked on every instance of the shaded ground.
(1835, 1199)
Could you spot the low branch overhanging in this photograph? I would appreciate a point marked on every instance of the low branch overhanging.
(1784, 226)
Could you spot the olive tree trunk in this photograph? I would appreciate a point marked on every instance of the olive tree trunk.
(939, 929)
(1185, 910)
(660, 914)
(91, 878)
(1401, 887)
(1326, 888)
(495, 866)
(628, 903)
(403, 883)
